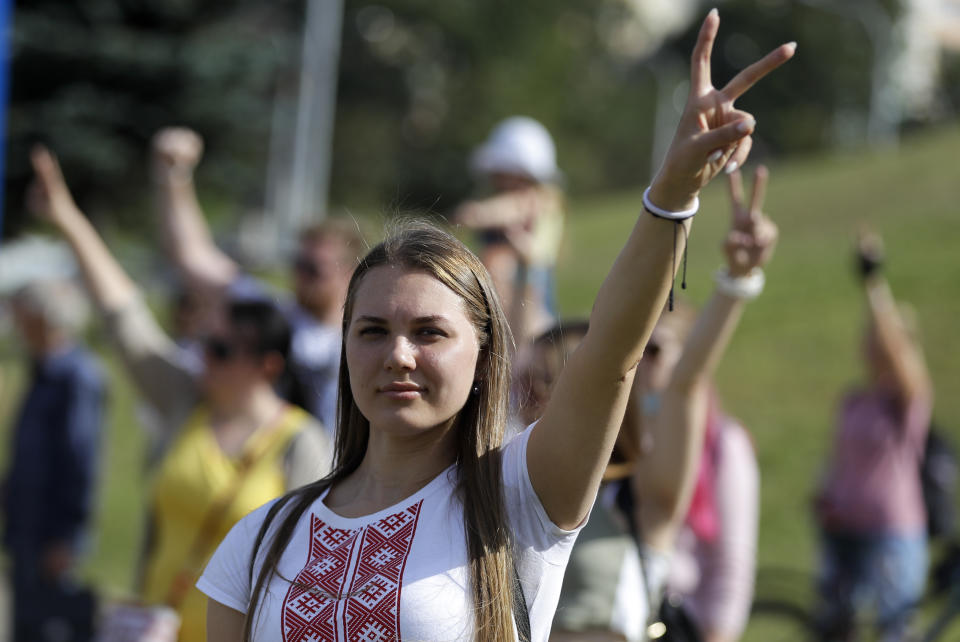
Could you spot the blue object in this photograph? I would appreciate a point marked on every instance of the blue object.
(49, 487)
(6, 24)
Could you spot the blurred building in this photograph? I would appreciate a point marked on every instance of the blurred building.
(927, 29)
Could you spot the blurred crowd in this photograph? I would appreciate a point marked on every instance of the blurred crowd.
(239, 399)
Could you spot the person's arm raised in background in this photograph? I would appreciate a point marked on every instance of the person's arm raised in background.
(570, 446)
(204, 267)
(149, 354)
(891, 336)
(664, 481)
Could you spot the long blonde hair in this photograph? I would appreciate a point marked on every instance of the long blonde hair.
(478, 428)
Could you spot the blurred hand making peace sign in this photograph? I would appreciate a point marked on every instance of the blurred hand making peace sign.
(712, 133)
(752, 236)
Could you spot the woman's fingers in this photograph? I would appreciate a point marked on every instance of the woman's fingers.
(735, 185)
(49, 194)
(44, 164)
(725, 136)
(760, 176)
(739, 157)
(178, 145)
(748, 77)
(700, 80)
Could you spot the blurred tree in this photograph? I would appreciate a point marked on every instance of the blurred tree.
(95, 78)
(421, 83)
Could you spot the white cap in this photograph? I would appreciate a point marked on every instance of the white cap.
(518, 145)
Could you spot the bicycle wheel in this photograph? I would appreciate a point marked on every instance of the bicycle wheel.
(944, 626)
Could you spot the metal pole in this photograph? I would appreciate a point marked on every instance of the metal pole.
(313, 138)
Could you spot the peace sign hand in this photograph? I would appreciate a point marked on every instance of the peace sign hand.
(712, 133)
(752, 236)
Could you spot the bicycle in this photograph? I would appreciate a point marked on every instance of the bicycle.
(783, 606)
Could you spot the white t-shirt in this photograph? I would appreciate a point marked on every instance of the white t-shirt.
(315, 353)
(402, 572)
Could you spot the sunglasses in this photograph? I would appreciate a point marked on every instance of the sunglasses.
(220, 349)
(306, 267)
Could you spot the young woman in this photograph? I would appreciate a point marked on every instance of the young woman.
(230, 443)
(429, 527)
(870, 506)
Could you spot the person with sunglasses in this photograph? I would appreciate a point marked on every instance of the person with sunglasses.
(234, 442)
(325, 257)
(680, 491)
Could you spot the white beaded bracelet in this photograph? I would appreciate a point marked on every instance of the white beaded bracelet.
(747, 287)
(659, 212)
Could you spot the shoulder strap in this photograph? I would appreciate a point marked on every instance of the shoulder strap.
(626, 502)
(655, 627)
(520, 613)
(207, 532)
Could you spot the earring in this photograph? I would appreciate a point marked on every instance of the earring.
(476, 388)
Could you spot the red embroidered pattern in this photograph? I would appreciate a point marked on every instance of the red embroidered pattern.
(350, 586)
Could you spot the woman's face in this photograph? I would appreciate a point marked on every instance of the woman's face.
(232, 369)
(411, 351)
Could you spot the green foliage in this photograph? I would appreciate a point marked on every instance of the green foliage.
(420, 84)
(95, 79)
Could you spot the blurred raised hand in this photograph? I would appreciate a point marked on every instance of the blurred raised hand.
(176, 149)
(869, 251)
(48, 196)
(752, 237)
(713, 134)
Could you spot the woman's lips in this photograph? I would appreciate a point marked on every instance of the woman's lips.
(402, 391)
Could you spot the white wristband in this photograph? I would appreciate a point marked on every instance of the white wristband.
(747, 287)
(659, 212)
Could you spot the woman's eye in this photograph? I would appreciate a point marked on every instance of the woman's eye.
(432, 332)
(371, 331)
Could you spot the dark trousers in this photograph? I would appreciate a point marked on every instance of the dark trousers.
(47, 609)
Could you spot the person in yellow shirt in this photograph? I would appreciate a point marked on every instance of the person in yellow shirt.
(230, 442)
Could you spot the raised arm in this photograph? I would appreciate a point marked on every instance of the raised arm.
(150, 356)
(50, 198)
(664, 482)
(176, 152)
(893, 338)
(571, 444)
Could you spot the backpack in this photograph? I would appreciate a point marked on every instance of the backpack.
(939, 471)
